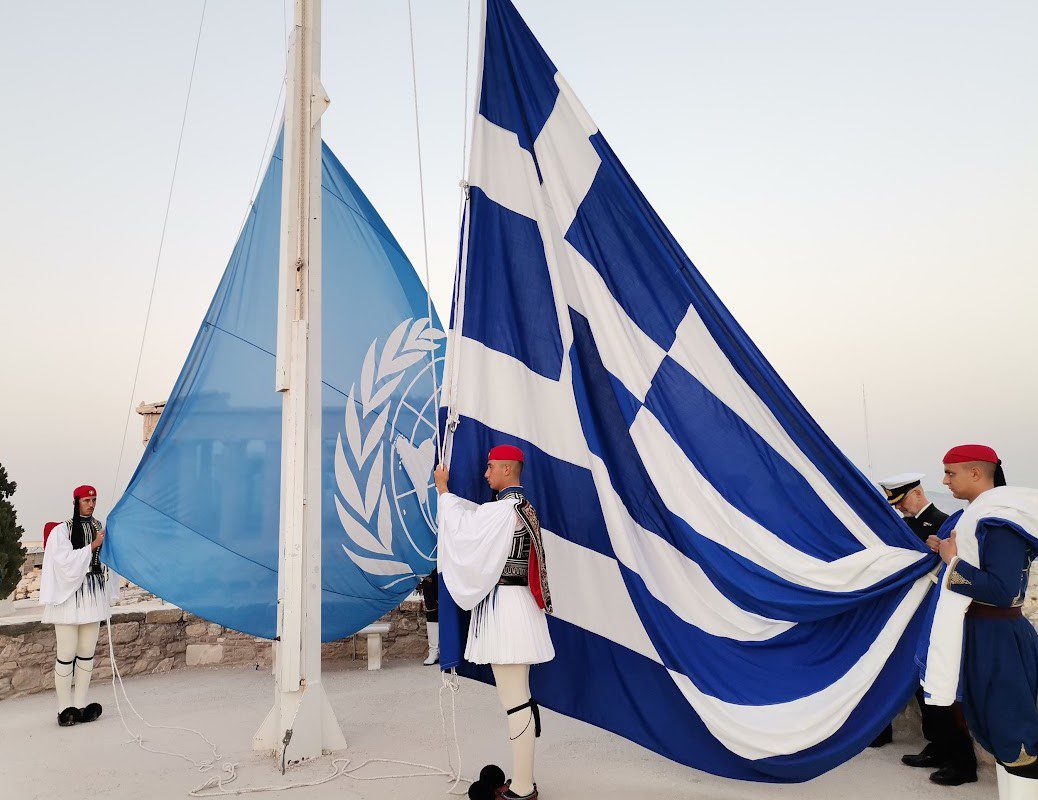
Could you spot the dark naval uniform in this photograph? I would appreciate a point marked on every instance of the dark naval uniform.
(949, 748)
(1000, 647)
(927, 523)
(944, 727)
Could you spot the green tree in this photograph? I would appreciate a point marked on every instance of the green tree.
(12, 554)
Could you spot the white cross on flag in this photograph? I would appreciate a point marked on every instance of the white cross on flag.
(729, 590)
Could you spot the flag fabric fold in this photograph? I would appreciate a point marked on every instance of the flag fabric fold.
(729, 590)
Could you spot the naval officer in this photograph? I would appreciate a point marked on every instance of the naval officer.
(905, 493)
(949, 747)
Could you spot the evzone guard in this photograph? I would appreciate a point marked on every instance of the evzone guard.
(492, 560)
(76, 590)
(981, 648)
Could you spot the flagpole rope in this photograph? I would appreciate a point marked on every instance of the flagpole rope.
(158, 256)
(448, 684)
(465, 93)
(453, 358)
(421, 200)
(266, 152)
(216, 786)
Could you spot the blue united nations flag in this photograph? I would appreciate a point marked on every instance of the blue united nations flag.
(198, 524)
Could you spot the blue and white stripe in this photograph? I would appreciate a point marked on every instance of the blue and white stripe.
(729, 590)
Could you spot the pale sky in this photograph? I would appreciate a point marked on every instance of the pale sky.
(857, 181)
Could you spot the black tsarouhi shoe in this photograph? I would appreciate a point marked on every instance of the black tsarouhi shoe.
(494, 777)
(482, 791)
(508, 794)
(70, 716)
(90, 713)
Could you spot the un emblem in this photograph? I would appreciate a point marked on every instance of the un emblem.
(391, 413)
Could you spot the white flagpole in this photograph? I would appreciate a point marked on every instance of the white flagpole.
(301, 724)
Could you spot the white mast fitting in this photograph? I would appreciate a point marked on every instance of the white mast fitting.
(301, 725)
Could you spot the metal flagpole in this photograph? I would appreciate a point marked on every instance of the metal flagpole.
(301, 724)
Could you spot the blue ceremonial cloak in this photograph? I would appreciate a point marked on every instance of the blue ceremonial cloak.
(1000, 655)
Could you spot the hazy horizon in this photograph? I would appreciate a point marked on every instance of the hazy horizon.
(857, 183)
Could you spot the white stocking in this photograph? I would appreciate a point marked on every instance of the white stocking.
(1013, 787)
(64, 665)
(513, 687)
(86, 643)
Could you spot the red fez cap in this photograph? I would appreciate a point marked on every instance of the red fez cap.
(506, 452)
(970, 452)
(83, 491)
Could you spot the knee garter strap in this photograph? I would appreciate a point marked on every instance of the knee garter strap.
(535, 713)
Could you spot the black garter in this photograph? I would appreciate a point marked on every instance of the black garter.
(66, 663)
(535, 712)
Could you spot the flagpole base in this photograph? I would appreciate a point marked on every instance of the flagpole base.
(306, 719)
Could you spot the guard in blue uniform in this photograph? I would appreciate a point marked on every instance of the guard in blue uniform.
(1000, 646)
(949, 749)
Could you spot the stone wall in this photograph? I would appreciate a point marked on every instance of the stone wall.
(166, 638)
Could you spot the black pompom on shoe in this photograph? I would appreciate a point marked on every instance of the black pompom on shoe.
(482, 791)
(90, 713)
(70, 716)
(492, 775)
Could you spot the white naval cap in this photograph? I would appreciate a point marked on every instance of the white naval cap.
(897, 486)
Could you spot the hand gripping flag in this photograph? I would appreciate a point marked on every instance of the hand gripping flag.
(729, 590)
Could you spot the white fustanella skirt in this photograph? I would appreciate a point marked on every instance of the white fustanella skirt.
(89, 603)
(508, 627)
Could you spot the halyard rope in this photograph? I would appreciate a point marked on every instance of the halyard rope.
(218, 785)
(425, 235)
(452, 361)
(117, 686)
(158, 256)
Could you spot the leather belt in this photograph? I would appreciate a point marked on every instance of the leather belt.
(513, 580)
(981, 611)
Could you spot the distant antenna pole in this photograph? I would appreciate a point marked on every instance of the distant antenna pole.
(868, 446)
(301, 724)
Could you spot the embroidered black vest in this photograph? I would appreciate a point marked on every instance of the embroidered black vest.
(526, 538)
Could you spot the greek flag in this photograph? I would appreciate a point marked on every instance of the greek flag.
(729, 589)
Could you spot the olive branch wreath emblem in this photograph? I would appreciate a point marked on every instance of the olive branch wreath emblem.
(367, 516)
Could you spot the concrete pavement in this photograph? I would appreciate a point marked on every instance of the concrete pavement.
(392, 713)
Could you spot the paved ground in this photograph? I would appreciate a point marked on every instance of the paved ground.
(390, 714)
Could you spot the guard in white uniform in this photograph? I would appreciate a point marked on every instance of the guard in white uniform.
(76, 589)
(493, 563)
